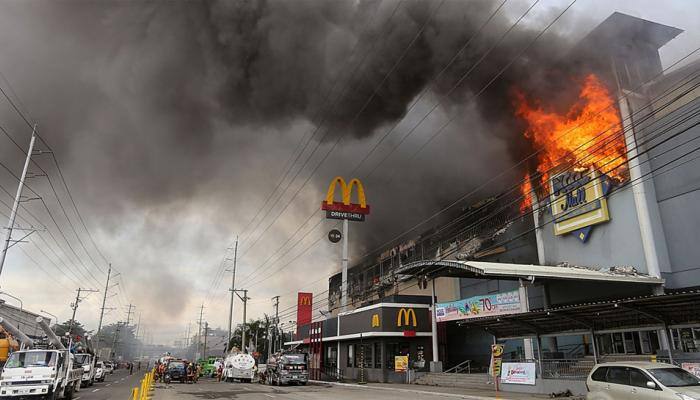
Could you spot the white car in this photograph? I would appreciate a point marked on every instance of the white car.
(100, 371)
(641, 381)
(108, 367)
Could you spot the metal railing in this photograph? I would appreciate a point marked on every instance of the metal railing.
(465, 365)
(568, 369)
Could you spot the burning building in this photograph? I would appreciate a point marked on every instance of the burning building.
(591, 257)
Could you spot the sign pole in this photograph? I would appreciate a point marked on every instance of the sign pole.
(344, 266)
(436, 367)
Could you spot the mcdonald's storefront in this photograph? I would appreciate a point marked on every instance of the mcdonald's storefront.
(364, 342)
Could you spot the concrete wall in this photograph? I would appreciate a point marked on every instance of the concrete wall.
(677, 192)
(613, 243)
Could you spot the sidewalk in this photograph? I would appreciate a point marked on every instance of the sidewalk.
(449, 392)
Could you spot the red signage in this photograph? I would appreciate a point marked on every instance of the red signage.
(304, 304)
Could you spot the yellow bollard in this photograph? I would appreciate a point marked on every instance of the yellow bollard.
(135, 393)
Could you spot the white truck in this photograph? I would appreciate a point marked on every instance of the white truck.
(87, 362)
(240, 367)
(40, 373)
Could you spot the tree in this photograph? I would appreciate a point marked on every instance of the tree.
(256, 334)
(78, 329)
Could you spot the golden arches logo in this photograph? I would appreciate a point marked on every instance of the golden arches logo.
(304, 301)
(346, 196)
(375, 321)
(408, 316)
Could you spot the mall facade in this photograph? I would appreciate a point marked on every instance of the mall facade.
(595, 269)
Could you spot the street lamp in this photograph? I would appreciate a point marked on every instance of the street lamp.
(21, 307)
(55, 318)
(21, 304)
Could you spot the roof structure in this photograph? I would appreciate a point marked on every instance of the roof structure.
(491, 270)
(679, 308)
(624, 29)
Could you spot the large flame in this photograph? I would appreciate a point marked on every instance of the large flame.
(588, 135)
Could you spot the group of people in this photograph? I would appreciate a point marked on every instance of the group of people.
(193, 371)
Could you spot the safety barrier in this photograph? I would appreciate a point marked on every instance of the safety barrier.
(143, 392)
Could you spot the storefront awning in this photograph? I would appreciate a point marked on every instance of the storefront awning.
(673, 309)
(491, 270)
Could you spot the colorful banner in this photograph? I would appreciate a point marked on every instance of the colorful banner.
(496, 360)
(479, 306)
(518, 373)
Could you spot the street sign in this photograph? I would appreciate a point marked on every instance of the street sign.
(350, 216)
(334, 236)
(345, 209)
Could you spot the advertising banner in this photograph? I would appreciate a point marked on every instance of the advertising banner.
(479, 306)
(518, 373)
(400, 363)
(496, 360)
(693, 368)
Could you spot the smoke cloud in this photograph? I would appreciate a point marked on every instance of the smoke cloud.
(173, 121)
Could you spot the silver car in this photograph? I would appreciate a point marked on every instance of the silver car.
(641, 381)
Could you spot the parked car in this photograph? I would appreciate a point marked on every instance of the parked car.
(108, 367)
(100, 371)
(641, 381)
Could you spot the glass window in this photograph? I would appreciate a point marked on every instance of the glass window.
(351, 355)
(638, 378)
(599, 374)
(332, 357)
(618, 343)
(31, 359)
(674, 377)
(619, 375)
(366, 355)
(378, 355)
(392, 350)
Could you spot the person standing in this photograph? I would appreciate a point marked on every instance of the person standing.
(131, 368)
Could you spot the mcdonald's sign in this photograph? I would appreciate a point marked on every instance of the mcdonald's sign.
(304, 310)
(304, 300)
(345, 209)
(375, 321)
(405, 317)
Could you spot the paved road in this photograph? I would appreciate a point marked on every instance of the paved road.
(211, 390)
(115, 387)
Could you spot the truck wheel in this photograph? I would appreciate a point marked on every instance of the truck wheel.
(68, 394)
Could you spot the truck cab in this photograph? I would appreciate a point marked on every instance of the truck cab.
(42, 373)
(86, 361)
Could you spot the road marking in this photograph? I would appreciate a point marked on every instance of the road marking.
(76, 398)
(247, 388)
(96, 390)
(108, 384)
(268, 395)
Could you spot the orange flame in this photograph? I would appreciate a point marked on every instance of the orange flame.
(526, 191)
(589, 135)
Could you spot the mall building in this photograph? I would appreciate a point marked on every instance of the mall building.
(595, 269)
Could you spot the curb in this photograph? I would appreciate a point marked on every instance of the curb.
(453, 395)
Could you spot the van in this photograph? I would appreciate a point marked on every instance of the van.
(641, 381)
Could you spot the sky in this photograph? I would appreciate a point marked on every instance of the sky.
(173, 122)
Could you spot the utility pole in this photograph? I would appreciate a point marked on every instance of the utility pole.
(206, 333)
(18, 197)
(138, 328)
(128, 313)
(199, 330)
(75, 308)
(233, 288)
(276, 299)
(114, 340)
(102, 311)
(245, 299)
